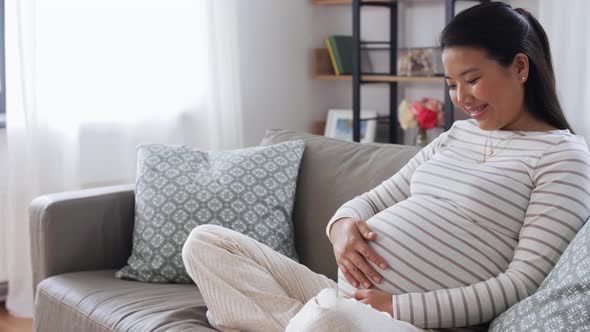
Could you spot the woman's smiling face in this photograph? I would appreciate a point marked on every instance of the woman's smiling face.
(490, 93)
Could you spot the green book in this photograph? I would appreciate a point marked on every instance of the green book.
(332, 57)
(342, 47)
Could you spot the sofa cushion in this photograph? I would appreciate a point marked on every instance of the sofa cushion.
(178, 188)
(332, 172)
(95, 301)
(562, 302)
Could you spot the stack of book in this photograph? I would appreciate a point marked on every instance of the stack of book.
(340, 49)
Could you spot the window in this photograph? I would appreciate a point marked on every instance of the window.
(2, 71)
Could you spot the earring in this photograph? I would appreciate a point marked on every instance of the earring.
(523, 78)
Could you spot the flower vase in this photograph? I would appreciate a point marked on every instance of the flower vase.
(421, 138)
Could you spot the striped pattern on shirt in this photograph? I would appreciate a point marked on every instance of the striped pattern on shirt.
(466, 240)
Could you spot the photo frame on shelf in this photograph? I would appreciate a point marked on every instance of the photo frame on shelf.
(339, 125)
(425, 61)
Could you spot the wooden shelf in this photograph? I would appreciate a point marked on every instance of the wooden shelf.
(347, 2)
(383, 78)
(408, 79)
(323, 70)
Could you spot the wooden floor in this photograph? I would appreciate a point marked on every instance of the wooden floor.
(12, 324)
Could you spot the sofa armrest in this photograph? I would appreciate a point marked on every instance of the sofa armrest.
(81, 230)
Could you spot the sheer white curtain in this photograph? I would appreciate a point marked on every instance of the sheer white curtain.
(568, 28)
(88, 80)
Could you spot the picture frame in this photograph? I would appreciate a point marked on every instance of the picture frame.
(420, 61)
(339, 125)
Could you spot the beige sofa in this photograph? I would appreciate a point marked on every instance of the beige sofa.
(80, 238)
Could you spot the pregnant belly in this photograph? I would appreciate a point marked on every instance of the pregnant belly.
(435, 248)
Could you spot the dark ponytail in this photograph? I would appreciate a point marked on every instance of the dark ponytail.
(539, 33)
(503, 32)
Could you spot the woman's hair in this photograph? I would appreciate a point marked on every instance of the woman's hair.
(502, 32)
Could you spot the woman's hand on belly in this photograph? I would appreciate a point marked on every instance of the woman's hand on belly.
(349, 239)
(377, 299)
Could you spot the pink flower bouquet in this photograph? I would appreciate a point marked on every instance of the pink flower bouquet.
(424, 114)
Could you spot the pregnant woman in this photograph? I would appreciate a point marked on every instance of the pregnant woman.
(470, 226)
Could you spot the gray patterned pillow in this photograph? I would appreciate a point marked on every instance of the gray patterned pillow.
(178, 188)
(562, 303)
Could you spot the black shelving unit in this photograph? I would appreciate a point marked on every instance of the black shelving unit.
(392, 46)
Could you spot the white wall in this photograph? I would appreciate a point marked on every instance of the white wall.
(3, 178)
(276, 39)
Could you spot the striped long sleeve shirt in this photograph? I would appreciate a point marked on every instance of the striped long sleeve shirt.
(466, 239)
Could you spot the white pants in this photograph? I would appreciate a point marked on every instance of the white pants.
(248, 286)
